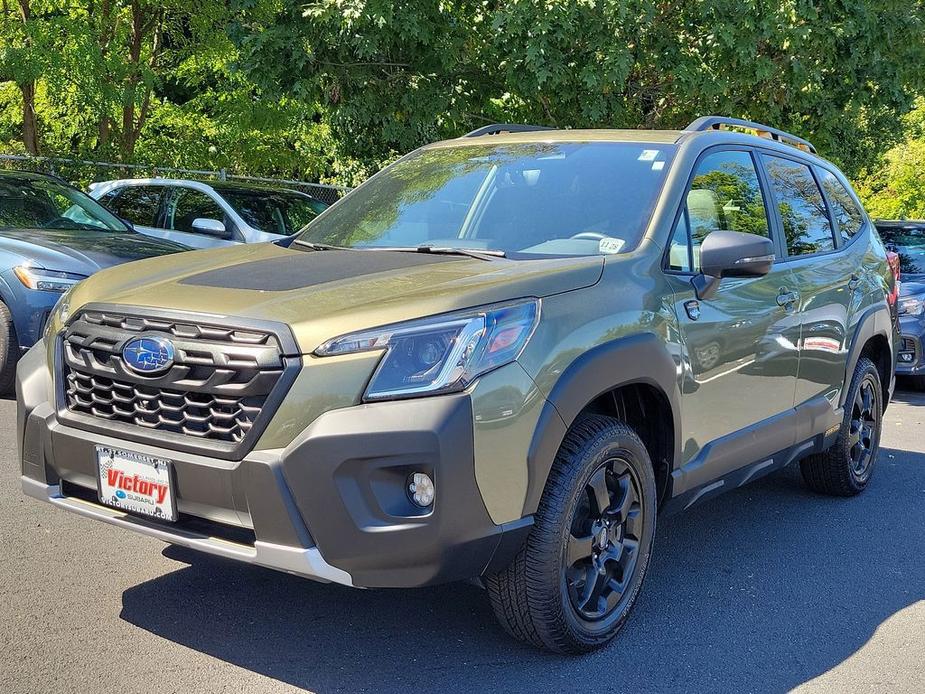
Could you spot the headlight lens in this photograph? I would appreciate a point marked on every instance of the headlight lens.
(912, 306)
(46, 280)
(442, 354)
(59, 314)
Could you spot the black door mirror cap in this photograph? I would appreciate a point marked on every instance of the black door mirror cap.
(731, 254)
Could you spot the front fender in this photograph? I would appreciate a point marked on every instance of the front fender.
(640, 358)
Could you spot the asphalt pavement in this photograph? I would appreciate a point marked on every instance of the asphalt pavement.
(766, 589)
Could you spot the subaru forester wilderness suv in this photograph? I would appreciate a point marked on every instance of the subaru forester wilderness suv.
(501, 358)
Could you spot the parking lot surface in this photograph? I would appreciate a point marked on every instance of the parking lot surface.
(768, 588)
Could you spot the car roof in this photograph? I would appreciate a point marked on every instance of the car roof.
(218, 186)
(29, 176)
(899, 222)
(577, 135)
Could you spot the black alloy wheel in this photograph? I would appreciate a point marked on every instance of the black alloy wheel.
(603, 545)
(863, 437)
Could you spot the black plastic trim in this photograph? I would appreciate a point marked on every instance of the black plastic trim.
(498, 128)
(348, 474)
(768, 445)
(291, 359)
(640, 358)
(717, 122)
(875, 320)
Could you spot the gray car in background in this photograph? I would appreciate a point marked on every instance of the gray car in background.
(205, 215)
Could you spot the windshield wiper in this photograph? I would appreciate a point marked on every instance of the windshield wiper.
(477, 253)
(320, 246)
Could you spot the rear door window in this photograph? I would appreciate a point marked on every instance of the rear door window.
(801, 206)
(847, 214)
(138, 204)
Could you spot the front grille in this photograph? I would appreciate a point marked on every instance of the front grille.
(215, 390)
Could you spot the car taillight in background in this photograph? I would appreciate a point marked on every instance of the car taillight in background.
(892, 258)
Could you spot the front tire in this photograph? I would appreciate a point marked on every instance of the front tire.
(846, 467)
(572, 586)
(9, 350)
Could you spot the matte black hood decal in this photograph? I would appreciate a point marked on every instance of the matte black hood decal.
(308, 268)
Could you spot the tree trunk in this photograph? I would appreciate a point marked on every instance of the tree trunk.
(30, 131)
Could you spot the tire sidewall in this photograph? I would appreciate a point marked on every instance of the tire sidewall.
(605, 446)
(866, 370)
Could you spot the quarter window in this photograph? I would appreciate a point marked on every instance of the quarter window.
(802, 209)
(137, 204)
(725, 195)
(848, 216)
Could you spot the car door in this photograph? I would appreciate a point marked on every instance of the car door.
(740, 357)
(183, 207)
(140, 205)
(826, 277)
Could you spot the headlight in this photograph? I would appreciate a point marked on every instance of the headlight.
(442, 354)
(911, 306)
(59, 314)
(46, 280)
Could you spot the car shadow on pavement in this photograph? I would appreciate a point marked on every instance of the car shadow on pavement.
(761, 590)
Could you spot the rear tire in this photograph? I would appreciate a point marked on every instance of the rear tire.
(9, 350)
(572, 586)
(846, 467)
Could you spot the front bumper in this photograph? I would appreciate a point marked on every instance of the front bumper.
(910, 360)
(331, 506)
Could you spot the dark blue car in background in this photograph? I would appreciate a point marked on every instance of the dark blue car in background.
(906, 238)
(51, 237)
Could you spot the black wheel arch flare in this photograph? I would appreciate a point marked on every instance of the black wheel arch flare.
(635, 359)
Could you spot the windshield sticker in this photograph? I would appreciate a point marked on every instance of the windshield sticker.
(648, 155)
(609, 245)
(658, 165)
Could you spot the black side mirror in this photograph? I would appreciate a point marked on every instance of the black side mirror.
(731, 254)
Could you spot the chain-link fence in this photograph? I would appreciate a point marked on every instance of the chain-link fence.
(82, 173)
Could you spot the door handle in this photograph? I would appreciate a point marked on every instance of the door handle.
(786, 298)
(854, 282)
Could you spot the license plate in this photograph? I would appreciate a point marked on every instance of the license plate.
(136, 483)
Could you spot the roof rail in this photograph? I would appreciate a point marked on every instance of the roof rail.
(498, 128)
(721, 122)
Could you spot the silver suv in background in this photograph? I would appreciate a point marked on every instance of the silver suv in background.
(204, 215)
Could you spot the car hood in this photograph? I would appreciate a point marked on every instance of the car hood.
(322, 294)
(82, 251)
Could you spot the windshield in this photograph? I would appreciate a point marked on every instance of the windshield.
(275, 211)
(909, 243)
(36, 203)
(525, 199)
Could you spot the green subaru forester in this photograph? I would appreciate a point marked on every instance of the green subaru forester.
(499, 359)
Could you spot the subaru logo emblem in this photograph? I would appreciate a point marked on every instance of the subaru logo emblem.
(148, 355)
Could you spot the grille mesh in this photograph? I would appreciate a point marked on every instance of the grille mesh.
(215, 389)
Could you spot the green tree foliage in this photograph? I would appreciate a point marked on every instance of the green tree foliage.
(393, 75)
(896, 188)
(335, 88)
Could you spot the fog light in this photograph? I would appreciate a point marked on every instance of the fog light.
(421, 489)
